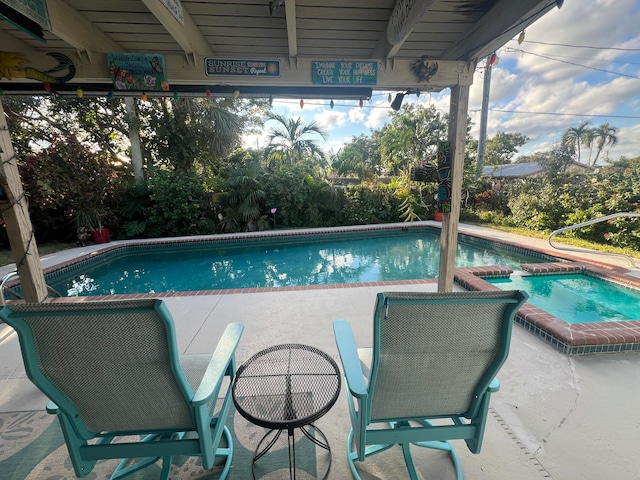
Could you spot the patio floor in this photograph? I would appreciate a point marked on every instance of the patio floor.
(556, 416)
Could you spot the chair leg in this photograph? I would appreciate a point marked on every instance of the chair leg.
(352, 455)
(122, 470)
(226, 452)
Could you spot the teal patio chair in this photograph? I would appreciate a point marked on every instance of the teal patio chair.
(430, 373)
(112, 372)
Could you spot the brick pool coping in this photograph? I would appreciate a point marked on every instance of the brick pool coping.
(571, 339)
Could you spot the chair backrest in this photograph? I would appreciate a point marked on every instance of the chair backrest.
(110, 366)
(434, 354)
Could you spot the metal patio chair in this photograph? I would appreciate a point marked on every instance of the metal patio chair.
(118, 386)
(430, 374)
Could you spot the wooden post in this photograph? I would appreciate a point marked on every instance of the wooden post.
(134, 138)
(15, 212)
(458, 108)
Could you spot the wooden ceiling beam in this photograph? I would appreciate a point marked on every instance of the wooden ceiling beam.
(77, 31)
(188, 36)
(405, 16)
(292, 29)
(500, 24)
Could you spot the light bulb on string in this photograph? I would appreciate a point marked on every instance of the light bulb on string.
(143, 97)
(236, 94)
(1, 91)
(176, 97)
(493, 59)
(361, 103)
(47, 87)
(110, 95)
(80, 92)
(331, 104)
(301, 104)
(521, 38)
(418, 92)
(389, 98)
(270, 99)
(207, 93)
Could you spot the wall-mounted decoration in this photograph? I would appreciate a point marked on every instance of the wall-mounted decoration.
(137, 71)
(424, 68)
(175, 8)
(12, 65)
(443, 196)
(36, 10)
(344, 73)
(241, 68)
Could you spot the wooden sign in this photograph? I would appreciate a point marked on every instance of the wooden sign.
(241, 67)
(137, 71)
(344, 73)
(405, 16)
(175, 8)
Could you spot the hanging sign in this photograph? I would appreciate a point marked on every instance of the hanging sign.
(175, 8)
(137, 71)
(405, 16)
(344, 73)
(35, 10)
(241, 68)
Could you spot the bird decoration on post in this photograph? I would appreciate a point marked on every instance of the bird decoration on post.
(424, 68)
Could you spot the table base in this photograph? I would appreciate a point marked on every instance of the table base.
(292, 448)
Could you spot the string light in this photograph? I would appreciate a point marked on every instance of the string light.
(361, 103)
(1, 91)
(301, 104)
(270, 99)
(389, 98)
(521, 38)
(236, 94)
(80, 92)
(47, 87)
(176, 97)
(143, 97)
(493, 59)
(207, 93)
(331, 104)
(110, 95)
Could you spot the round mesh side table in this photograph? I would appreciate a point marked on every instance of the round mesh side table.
(287, 387)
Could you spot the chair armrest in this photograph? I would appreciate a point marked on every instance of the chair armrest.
(52, 408)
(220, 360)
(494, 386)
(349, 358)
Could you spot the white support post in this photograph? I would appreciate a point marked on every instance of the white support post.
(15, 213)
(458, 109)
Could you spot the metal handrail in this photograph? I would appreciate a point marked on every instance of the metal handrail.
(591, 222)
(3, 288)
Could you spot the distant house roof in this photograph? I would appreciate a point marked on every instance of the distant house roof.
(512, 170)
(516, 170)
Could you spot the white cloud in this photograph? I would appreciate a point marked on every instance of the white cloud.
(356, 115)
(330, 119)
(379, 115)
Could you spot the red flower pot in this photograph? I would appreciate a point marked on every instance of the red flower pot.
(437, 216)
(101, 236)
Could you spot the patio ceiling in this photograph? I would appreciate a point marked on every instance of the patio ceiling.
(393, 34)
(300, 48)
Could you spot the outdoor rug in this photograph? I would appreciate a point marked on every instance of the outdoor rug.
(32, 448)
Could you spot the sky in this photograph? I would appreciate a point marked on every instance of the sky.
(578, 63)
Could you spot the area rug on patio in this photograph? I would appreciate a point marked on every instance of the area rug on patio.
(32, 448)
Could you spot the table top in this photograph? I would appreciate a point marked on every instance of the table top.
(286, 386)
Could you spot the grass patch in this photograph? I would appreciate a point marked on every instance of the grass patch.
(564, 240)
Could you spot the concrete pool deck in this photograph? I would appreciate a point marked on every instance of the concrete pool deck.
(556, 416)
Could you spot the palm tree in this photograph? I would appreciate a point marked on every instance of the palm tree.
(605, 135)
(576, 136)
(291, 140)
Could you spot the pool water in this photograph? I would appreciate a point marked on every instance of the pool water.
(576, 298)
(297, 260)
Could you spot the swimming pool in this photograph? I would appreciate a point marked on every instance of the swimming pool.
(575, 297)
(277, 261)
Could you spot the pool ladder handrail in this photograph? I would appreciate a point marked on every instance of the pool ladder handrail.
(4, 288)
(606, 218)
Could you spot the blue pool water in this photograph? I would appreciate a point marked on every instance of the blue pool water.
(274, 262)
(576, 298)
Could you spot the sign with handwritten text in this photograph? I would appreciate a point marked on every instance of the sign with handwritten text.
(241, 68)
(344, 73)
